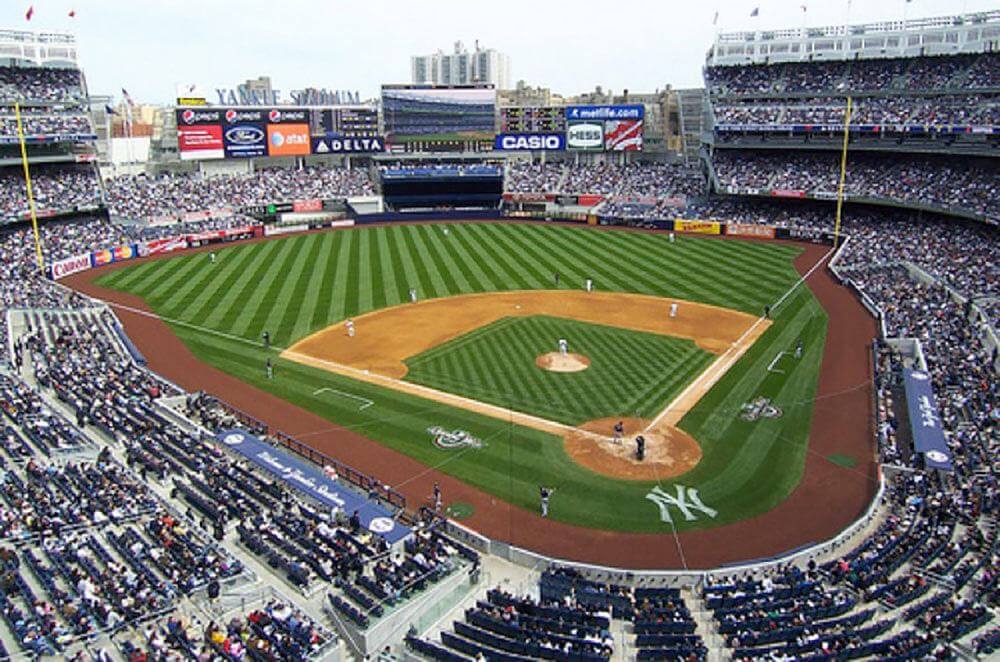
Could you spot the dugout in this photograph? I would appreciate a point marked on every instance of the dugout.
(442, 187)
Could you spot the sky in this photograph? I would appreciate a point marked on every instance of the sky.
(570, 46)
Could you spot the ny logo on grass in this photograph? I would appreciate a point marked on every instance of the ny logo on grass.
(687, 499)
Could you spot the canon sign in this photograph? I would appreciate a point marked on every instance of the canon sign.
(70, 265)
(530, 141)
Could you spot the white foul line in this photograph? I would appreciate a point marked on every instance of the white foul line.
(770, 366)
(367, 403)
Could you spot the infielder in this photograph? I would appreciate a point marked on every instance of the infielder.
(590, 285)
(269, 369)
(350, 328)
(563, 347)
(673, 310)
(413, 295)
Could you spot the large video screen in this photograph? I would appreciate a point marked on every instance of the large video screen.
(414, 113)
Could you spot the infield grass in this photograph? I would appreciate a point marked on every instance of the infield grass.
(297, 285)
(630, 373)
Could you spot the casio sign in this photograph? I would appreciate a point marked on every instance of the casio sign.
(529, 141)
(586, 135)
(245, 135)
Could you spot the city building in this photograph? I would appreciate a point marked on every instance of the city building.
(462, 67)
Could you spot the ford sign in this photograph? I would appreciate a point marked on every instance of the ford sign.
(585, 135)
(245, 135)
(245, 140)
(530, 141)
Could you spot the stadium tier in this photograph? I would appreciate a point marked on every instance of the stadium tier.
(470, 406)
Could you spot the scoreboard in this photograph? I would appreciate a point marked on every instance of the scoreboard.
(344, 121)
(537, 119)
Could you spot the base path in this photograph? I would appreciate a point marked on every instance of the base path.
(828, 498)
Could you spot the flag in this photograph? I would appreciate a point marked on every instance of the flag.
(127, 97)
(715, 21)
(72, 13)
(755, 12)
(109, 110)
(803, 8)
(28, 14)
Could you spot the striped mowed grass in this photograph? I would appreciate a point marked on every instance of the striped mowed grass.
(294, 286)
(630, 373)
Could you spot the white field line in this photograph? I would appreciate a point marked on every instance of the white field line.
(770, 366)
(366, 403)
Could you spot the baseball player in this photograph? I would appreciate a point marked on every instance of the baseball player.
(556, 278)
(798, 349)
(590, 285)
(413, 295)
(670, 237)
(266, 338)
(640, 448)
(563, 347)
(350, 328)
(545, 493)
(437, 497)
(211, 257)
(269, 369)
(673, 310)
(619, 432)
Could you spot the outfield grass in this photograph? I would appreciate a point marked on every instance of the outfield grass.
(297, 285)
(630, 374)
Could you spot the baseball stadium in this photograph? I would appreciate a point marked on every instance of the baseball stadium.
(454, 374)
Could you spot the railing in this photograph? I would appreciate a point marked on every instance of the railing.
(359, 479)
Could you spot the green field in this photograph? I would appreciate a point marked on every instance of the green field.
(630, 373)
(297, 285)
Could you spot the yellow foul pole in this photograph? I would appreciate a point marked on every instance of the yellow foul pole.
(843, 173)
(27, 183)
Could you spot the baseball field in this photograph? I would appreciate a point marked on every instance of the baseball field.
(460, 381)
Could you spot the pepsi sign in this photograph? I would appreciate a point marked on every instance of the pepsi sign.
(530, 142)
(191, 117)
(238, 115)
(298, 116)
(245, 140)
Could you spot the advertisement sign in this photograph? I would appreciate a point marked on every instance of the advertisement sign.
(313, 481)
(70, 265)
(925, 421)
(623, 135)
(200, 142)
(168, 245)
(241, 115)
(245, 140)
(588, 136)
(288, 116)
(307, 205)
(196, 117)
(288, 139)
(700, 227)
(530, 141)
(116, 254)
(750, 230)
(602, 113)
(333, 144)
(787, 193)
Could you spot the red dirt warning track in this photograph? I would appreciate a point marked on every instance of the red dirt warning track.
(828, 498)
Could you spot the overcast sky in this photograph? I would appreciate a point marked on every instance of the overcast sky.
(147, 46)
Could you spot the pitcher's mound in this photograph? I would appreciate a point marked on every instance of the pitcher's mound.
(556, 362)
(670, 451)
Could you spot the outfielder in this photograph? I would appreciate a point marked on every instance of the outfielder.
(673, 309)
(545, 493)
(350, 328)
(211, 256)
(563, 347)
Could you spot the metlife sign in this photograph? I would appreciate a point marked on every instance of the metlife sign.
(602, 113)
(530, 142)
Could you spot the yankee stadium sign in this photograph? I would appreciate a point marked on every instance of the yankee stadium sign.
(241, 96)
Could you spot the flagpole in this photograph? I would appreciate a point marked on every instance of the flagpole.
(27, 184)
(843, 174)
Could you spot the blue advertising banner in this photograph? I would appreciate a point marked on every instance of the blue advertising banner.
(310, 479)
(928, 434)
(338, 144)
(246, 140)
(530, 141)
(630, 112)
